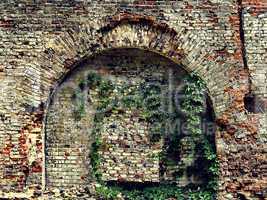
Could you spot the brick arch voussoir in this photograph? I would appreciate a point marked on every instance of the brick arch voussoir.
(66, 50)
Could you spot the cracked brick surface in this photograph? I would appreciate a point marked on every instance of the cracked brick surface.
(43, 41)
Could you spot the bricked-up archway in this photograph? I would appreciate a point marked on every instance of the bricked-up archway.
(227, 82)
(127, 137)
(223, 40)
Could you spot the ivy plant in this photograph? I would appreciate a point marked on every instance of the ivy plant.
(147, 99)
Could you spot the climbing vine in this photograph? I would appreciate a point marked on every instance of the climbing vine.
(148, 98)
(193, 106)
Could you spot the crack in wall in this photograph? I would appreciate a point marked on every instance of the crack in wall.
(243, 41)
(249, 99)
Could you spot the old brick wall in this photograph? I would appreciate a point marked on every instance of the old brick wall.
(43, 40)
(255, 37)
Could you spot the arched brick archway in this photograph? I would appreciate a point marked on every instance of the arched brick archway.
(44, 41)
(133, 31)
(227, 82)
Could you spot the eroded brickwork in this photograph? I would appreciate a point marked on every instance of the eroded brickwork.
(43, 41)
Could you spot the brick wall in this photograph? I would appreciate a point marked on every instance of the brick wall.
(42, 41)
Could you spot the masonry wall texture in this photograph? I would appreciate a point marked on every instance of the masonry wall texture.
(223, 41)
(128, 153)
(126, 138)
